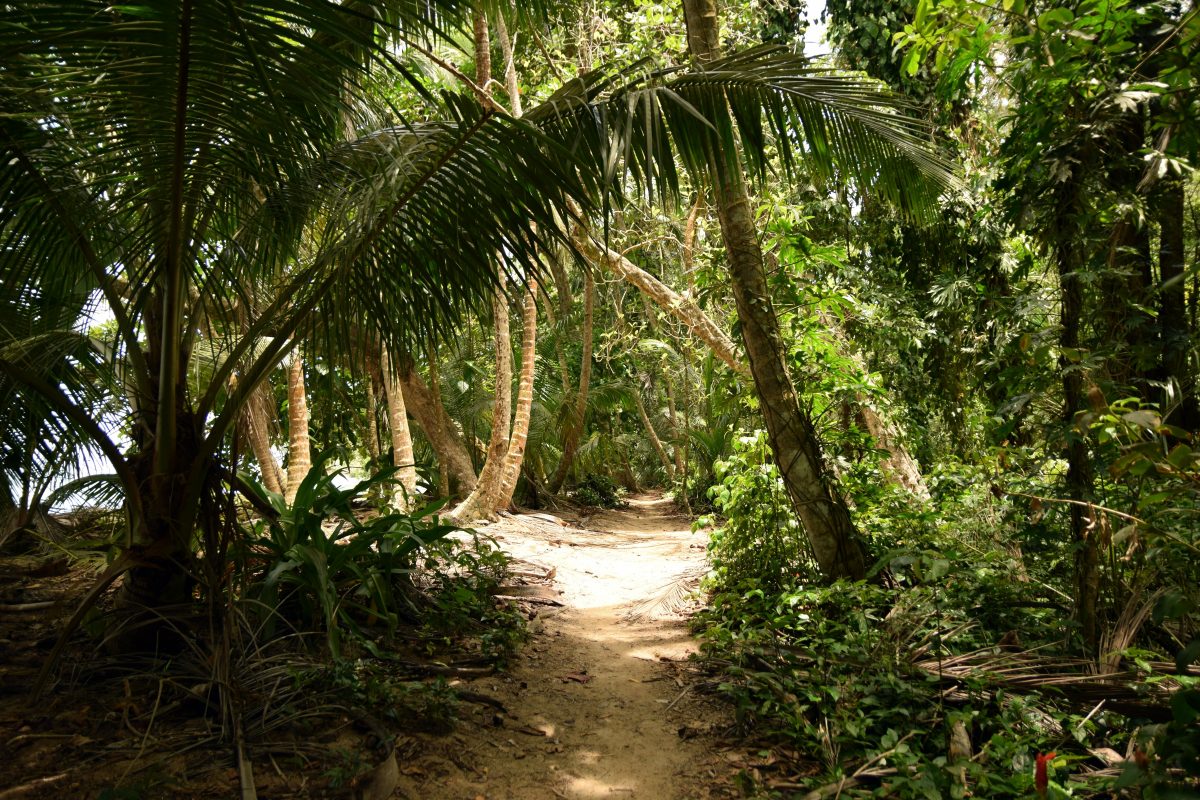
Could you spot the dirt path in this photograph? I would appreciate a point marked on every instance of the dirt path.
(598, 703)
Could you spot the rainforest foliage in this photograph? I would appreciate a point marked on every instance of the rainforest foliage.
(907, 315)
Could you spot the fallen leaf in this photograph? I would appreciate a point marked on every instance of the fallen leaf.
(578, 677)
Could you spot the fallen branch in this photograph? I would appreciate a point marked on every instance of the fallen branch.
(481, 699)
(26, 788)
(17, 608)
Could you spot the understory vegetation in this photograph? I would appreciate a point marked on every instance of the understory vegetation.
(900, 299)
(956, 666)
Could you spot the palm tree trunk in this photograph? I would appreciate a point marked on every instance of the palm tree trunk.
(299, 445)
(439, 429)
(652, 435)
(520, 427)
(1172, 308)
(402, 448)
(478, 503)
(256, 421)
(435, 389)
(574, 427)
(689, 242)
(373, 449)
(1079, 465)
(831, 534)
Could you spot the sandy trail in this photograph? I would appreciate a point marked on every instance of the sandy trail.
(598, 705)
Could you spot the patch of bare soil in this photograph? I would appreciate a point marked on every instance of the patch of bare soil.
(601, 703)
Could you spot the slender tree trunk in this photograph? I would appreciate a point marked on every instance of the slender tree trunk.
(574, 427)
(652, 435)
(682, 308)
(510, 67)
(1127, 280)
(831, 534)
(564, 371)
(372, 437)
(520, 428)
(478, 503)
(402, 448)
(256, 422)
(1172, 309)
(483, 52)
(669, 391)
(510, 469)
(1079, 467)
(299, 445)
(689, 243)
(435, 388)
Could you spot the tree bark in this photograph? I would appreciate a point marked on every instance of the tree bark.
(483, 52)
(402, 448)
(372, 437)
(439, 429)
(652, 435)
(299, 444)
(435, 389)
(256, 423)
(1172, 309)
(574, 427)
(682, 308)
(1079, 466)
(478, 504)
(826, 519)
(520, 428)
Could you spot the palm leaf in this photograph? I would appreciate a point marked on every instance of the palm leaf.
(842, 127)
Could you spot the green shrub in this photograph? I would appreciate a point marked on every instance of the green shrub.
(599, 491)
(319, 566)
(759, 542)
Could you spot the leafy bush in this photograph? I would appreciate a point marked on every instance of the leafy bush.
(759, 544)
(851, 675)
(459, 579)
(599, 491)
(845, 673)
(318, 566)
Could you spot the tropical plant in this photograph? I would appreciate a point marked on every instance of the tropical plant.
(318, 565)
(175, 158)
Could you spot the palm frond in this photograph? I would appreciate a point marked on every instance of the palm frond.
(842, 127)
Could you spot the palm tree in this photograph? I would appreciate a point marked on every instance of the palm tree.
(175, 157)
(826, 518)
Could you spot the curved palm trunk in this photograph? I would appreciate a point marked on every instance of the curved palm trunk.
(402, 448)
(299, 445)
(682, 308)
(652, 435)
(256, 422)
(899, 464)
(831, 534)
(439, 429)
(574, 427)
(478, 503)
(520, 428)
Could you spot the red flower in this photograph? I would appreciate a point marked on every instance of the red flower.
(1040, 779)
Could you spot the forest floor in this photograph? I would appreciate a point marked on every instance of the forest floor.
(601, 702)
